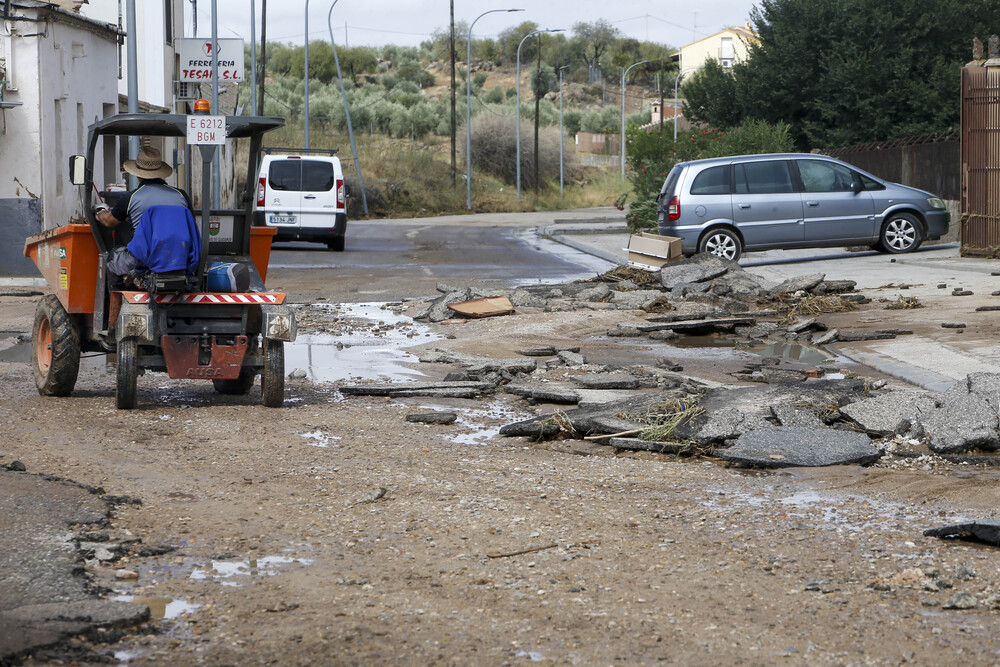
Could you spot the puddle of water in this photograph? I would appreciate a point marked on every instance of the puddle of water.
(319, 438)
(369, 345)
(18, 353)
(534, 656)
(251, 567)
(474, 419)
(160, 607)
(706, 340)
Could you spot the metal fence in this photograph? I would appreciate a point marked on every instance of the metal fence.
(931, 162)
(980, 159)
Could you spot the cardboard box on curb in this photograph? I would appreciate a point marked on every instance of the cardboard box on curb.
(653, 250)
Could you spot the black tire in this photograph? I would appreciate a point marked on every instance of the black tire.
(127, 373)
(336, 244)
(238, 387)
(55, 348)
(272, 376)
(721, 242)
(901, 232)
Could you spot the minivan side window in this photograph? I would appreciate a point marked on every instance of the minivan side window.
(762, 178)
(870, 183)
(820, 176)
(712, 181)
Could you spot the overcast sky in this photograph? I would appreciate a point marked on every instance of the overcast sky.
(409, 22)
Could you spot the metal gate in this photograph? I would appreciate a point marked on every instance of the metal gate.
(981, 160)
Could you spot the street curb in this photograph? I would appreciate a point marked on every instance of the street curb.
(555, 235)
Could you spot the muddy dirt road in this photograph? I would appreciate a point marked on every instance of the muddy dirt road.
(333, 531)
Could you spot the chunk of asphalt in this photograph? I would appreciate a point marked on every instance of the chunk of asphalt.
(828, 337)
(953, 325)
(854, 336)
(694, 326)
(433, 418)
(773, 375)
(547, 351)
(572, 358)
(400, 389)
(801, 325)
(986, 385)
(537, 427)
(987, 532)
(882, 414)
(606, 381)
(718, 426)
(545, 392)
(511, 366)
(789, 415)
(785, 447)
(694, 270)
(962, 423)
(658, 446)
(799, 284)
(602, 418)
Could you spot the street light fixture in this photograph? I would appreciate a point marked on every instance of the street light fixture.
(561, 130)
(622, 92)
(468, 108)
(518, 76)
(677, 80)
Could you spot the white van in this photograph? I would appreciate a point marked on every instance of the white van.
(303, 196)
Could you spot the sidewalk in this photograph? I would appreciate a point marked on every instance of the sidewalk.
(933, 357)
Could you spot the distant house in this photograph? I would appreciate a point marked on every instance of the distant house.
(728, 47)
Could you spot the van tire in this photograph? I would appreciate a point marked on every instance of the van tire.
(336, 243)
(721, 242)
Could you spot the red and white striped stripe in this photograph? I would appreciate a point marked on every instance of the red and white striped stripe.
(207, 298)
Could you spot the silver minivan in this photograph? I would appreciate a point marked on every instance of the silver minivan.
(725, 206)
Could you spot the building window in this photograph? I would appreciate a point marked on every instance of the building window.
(168, 21)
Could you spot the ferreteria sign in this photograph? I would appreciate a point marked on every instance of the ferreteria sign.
(196, 59)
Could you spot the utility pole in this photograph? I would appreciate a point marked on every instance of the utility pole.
(263, 57)
(451, 53)
(538, 88)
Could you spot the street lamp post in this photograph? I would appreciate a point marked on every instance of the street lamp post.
(347, 112)
(307, 77)
(468, 108)
(622, 93)
(518, 127)
(677, 81)
(561, 130)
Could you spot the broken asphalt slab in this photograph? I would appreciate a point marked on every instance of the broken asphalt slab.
(891, 412)
(402, 389)
(987, 532)
(785, 447)
(44, 598)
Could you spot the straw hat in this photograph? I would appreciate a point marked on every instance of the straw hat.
(148, 164)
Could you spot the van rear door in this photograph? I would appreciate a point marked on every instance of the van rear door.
(319, 193)
(283, 197)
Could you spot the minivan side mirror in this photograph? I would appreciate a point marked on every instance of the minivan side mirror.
(347, 190)
(77, 169)
(857, 186)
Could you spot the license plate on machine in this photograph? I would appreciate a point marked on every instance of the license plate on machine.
(283, 219)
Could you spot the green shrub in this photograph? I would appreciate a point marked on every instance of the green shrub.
(651, 156)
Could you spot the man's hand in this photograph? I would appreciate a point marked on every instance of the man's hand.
(103, 215)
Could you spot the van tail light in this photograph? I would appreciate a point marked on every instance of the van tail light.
(674, 208)
(340, 193)
(261, 187)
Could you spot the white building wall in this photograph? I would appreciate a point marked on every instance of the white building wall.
(76, 81)
(694, 55)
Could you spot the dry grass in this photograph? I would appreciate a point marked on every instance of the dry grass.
(820, 305)
(619, 274)
(904, 303)
(405, 178)
(665, 418)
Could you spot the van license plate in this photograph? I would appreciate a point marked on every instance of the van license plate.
(283, 219)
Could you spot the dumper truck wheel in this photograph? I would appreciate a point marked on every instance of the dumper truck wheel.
(238, 387)
(55, 350)
(272, 377)
(128, 372)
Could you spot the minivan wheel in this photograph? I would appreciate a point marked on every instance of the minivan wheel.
(722, 243)
(901, 233)
(336, 243)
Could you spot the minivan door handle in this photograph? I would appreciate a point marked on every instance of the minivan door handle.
(744, 205)
(309, 196)
(814, 204)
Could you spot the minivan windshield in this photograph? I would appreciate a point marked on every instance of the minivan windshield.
(301, 175)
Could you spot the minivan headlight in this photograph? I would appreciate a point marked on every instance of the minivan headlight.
(935, 202)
